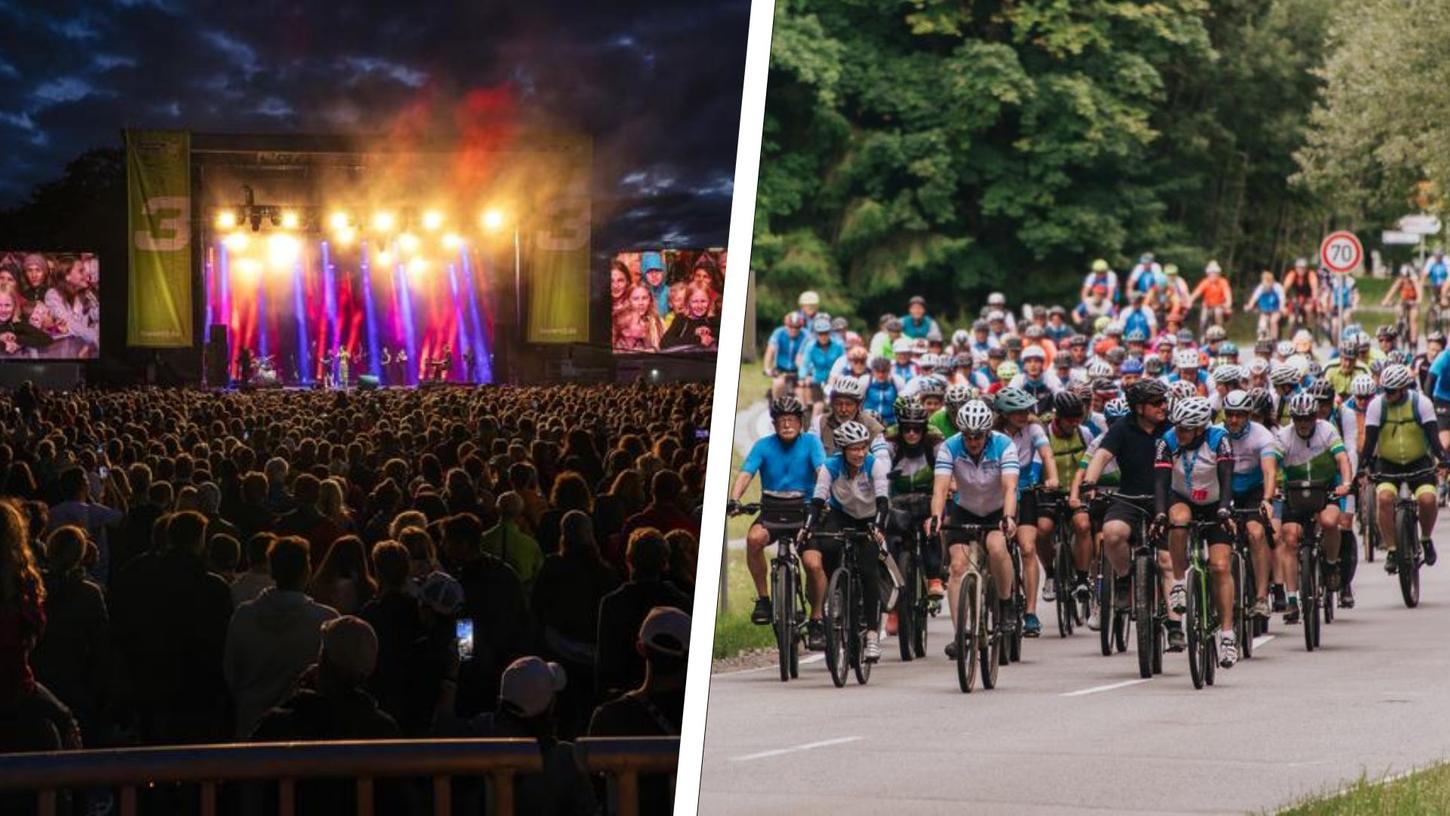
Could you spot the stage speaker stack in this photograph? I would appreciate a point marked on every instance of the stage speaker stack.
(367, 382)
(218, 357)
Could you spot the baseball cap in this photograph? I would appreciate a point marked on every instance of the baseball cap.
(350, 646)
(529, 685)
(441, 592)
(651, 260)
(1034, 353)
(666, 630)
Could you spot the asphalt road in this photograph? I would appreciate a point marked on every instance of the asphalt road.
(1070, 731)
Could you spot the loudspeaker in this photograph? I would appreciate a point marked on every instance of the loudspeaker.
(218, 356)
(367, 382)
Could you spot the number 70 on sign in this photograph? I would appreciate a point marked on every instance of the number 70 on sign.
(1341, 251)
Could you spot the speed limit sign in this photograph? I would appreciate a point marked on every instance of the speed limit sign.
(1340, 251)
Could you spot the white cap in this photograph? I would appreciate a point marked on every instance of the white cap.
(666, 630)
(529, 685)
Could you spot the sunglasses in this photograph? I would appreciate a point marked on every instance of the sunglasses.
(1157, 403)
(975, 435)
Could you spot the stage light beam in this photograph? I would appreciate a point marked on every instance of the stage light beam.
(408, 243)
(290, 220)
(384, 221)
(282, 250)
(338, 221)
(236, 241)
(226, 220)
(344, 236)
(493, 219)
(432, 220)
(452, 241)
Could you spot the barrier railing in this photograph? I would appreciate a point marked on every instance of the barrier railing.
(286, 763)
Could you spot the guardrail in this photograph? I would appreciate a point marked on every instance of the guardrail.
(622, 759)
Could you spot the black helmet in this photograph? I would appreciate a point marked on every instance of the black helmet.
(1322, 390)
(1260, 401)
(1067, 405)
(786, 405)
(910, 411)
(1145, 391)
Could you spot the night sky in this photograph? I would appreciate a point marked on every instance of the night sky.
(656, 84)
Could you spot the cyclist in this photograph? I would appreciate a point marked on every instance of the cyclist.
(1039, 383)
(1255, 466)
(1310, 450)
(851, 364)
(1218, 297)
(1440, 394)
(1194, 464)
(787, 461)
(1343, 297)
(819, 358)
(883, 343)
(1101, 279)
(1342, 375)
(1268, 300)
(1096, 304)
(1068, 439)
(956, 396)
(1284, 380)
(782, 355)
(809, 304)
(1400, 437)
(997, 305)
(1420, 364)
(978, 468)
(1175, 296)
(916, 324)
(913, 444)
(1436, 280)
(1015, 408)
(1301, 292)
(1130, 444)
(904, 368)
(882, 390)
(1114, 411)
(846, 395)
(1138, 317)
(1146, 278)
(1188, 367)
(1407, 291)
(851, 493)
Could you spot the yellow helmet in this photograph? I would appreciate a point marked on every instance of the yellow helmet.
(1100, 265)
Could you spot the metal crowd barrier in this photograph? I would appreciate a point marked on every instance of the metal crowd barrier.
(621, 759)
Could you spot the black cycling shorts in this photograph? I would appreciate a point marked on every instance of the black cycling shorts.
(1123, 510)
(781, 515)
(1442, 415)
(960, 515)
(1206, 513)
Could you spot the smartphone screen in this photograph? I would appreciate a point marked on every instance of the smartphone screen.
(463, 633)
(702, 433)
(104, 471)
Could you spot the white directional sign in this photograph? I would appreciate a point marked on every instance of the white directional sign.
(1397, 237)
(1340, 251)
(1420, 224)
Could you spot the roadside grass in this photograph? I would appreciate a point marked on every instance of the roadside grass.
(1424, 791)
(734, 632)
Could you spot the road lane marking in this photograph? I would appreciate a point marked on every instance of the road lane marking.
(807, 747)
(1108, 687)
(807, 660)
(1262, 639)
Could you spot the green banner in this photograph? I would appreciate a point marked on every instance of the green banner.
(558, 272)
(158, 189)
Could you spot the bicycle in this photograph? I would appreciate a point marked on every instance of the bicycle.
(1113, 621)
(1407, 553)
(1366, 521)
(845, 619)
(1053, 503)
(1200, 617)
(787, 597)
(1246, 580)
(1306, 500)
(1402, 325)
(978, 632)
(1149, 611)
(913, 606)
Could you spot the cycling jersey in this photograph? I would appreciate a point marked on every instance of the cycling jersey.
(1250, 447)
(1299, 286)
(787, 349)
(1409, 290)
(786, 471)
(1029, 441)
(881, 398)
(1139, 320)
(1268, 298)
(1341, 379)
(855, 495)
(817, 361)
(1312, 459)
(1341, 293)
(1440, 371)
(1401, 438)
(1195, 470)
(1351, 418)
(913, 471)
(978, 480)
(942, 422)
(1111, 476)
(826, 425)
(1067, 451)
(1436, 272)
(1215, 292)
(904, 372)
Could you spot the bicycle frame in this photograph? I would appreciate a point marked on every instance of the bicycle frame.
(844, 616)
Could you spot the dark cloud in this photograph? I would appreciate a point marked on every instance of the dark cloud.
(656, 84)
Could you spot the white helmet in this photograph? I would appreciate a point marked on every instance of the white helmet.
(809, 298)
(902, 345)
(1303, 404)
(1395, 377)
(1283, 374)
(961, 339)
(1283, 348)
(926, 362)
(848, 386)
(1192, 412)
(958, 394)
(1099, 368)
(1362, 385)
(1228, 373)
(1238, 400)
(996, 299)
(1186, 358)
(1182, 390)
(920, 345)
(851, 433)
(975, 416)
(1258, 366)
(1212, 267)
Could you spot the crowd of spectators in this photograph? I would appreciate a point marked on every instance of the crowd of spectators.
(182, 567)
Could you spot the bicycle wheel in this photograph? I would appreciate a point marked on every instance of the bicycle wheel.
(797, 593)
(1063, 579)
(1244, 626)
(1193, 627)
(989, 640)
(967, 629)
(1407, 550)
(783, 612)
(1324, 585)
(1145, 602)
(906, 607)
(922, 615)
(1308, 595)
(1368, 526)
(1107, 606)
(836, 620)
(859, 664)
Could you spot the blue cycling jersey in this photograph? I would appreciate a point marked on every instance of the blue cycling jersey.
(1437, 272)
(787, 349)
(881, 399)
(1440, 370)
(786, 470)
(819, 359)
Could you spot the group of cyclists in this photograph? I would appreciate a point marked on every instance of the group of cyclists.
(998, 426)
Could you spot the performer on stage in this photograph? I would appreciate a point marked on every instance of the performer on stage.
(468, 358)
(327, 370)
(443, 363)
(343, 358)
(244, 366)
(387, 366)
(402, 362)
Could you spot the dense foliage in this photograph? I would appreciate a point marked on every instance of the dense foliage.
(952, 148)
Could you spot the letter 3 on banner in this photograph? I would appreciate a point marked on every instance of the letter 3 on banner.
(158, 192)
(558, 288)
(1341, 251)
